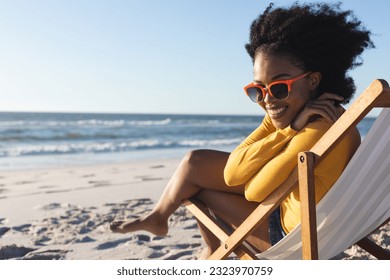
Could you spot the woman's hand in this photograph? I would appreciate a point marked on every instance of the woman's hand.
(323, 106)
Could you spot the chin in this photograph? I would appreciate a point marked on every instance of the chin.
(280, 124)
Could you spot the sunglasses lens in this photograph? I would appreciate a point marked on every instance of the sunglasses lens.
(279, 91)
(255, 94)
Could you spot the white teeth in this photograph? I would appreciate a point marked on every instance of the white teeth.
(276, 111)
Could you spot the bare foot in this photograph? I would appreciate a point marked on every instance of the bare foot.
(149, 223)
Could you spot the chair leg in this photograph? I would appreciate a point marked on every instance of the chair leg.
(374, 249)
(308, 206)
(244, 251)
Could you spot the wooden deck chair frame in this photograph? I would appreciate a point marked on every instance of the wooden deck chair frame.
(377, 95)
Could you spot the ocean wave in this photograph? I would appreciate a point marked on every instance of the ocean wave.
(93, 122)
(209, 142)
(107, 147)
(84, 123)
(198, 121)
(46, 136)
(149, 122)
(164, 121)
(65, 149)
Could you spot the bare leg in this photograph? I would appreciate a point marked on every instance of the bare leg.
(210, 239)
(199, 170)
(232, 209)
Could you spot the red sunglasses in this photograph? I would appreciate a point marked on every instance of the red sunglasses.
(278, 89)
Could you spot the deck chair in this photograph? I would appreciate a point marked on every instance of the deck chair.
(356, 205)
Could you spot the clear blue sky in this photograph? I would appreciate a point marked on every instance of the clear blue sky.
(145, 56)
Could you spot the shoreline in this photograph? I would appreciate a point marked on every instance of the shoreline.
(50, 161)
(59, 161)
(64, 213)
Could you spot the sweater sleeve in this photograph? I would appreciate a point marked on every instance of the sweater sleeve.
(276, 171)
(255, 151)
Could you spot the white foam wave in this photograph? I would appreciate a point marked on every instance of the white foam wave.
(67, 148)
(150, 122)
(99, 147)
(84, 123)
(212, 142)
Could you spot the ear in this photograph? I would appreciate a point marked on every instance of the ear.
(315, 79)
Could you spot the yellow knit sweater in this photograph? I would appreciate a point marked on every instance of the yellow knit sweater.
(267, 156)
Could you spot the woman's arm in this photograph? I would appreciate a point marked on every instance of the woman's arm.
(276, 171)
(255, 151)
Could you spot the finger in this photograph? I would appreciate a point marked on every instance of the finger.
(323, 113)
(340, 110)
(328, 106)
(331, 96)
(323, 110)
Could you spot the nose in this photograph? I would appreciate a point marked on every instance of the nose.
(268, 97)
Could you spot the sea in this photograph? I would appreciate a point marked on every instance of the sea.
(40, 140)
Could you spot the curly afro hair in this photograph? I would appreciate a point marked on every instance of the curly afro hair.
(321, 37)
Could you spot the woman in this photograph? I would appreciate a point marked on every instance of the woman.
(301, 55)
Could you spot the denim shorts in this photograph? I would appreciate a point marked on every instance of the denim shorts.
(275, 231)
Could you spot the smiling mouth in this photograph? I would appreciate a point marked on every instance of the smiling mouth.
(276, 113)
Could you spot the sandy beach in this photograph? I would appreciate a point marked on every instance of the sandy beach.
(64, 213)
